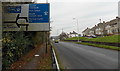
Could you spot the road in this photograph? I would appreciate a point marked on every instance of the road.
(77, 56)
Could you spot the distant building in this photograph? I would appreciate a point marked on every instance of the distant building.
(73, 34)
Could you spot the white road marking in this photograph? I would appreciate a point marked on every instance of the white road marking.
(58, 68)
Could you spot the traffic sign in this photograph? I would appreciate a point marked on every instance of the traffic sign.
(13, 9)
(38, 13)
(20, 16)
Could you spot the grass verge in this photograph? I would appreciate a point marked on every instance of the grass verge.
(112, 39)
(101, 46)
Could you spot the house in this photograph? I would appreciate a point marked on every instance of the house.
(73, 34)
(86, 32)
(113, 26)
(93, 31)
(104, 29)
(100, 29)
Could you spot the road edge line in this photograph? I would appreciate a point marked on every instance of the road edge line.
(56, 61)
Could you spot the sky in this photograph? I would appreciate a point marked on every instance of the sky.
(86, 12)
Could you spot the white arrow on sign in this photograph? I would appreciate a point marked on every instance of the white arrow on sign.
(45, 13)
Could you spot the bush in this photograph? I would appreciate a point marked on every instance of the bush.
(17, 44)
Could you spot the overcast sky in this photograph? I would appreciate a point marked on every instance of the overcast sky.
(88, 13)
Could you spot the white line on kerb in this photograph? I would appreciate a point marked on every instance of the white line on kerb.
(56, 60)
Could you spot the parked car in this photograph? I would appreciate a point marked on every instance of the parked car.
(94, 36)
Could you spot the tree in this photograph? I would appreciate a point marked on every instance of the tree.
(63, 36)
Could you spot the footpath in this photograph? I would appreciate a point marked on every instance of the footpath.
(35, 59)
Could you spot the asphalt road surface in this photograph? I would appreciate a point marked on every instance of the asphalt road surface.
(77, 56)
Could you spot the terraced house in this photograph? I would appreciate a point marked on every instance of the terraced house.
(86, 32)
(113, 26)
(104, 29)
(92, 31)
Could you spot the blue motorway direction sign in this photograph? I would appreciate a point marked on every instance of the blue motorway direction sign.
(35, 17)
(38, 13)
(13, 9)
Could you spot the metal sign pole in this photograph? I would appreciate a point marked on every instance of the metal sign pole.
(46, 42)
(46, 1)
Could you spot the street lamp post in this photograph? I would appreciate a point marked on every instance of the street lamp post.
(77, 27)
(46, 1)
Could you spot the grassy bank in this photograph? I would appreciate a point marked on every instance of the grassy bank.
(113, 39)
(99, 45)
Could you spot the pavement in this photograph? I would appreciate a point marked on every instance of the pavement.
(34, 62)
(77, 56)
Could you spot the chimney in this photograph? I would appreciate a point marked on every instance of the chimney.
(117, 17)
(103, 21)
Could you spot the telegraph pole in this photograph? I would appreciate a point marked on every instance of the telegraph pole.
(46, 1)
(77, 27)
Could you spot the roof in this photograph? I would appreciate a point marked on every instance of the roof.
(93, 28)
(73, 32)
(113, 22)
(86, 29)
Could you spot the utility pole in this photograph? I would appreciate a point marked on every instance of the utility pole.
(57, 31)
(62, 30)
(46, 1)
(77, 27)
